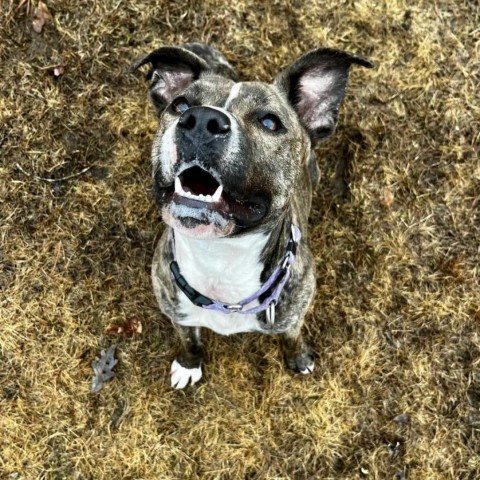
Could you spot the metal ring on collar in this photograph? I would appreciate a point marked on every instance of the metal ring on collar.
(234, 308)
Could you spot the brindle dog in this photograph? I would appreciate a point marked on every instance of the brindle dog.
(233, 173)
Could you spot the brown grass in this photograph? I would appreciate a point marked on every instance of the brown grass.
(395, 231)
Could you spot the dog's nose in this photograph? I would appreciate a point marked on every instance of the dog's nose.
(204, 123)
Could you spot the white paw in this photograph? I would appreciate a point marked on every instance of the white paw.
(308, 369)
(180, 376)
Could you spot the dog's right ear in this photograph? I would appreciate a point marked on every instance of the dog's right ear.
(172, 70)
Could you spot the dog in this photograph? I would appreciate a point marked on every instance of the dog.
(233, 174)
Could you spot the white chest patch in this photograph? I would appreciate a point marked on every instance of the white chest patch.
(224, 269)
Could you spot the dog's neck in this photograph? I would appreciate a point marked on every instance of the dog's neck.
(229, 268)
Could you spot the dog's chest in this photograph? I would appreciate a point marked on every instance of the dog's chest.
(224, 269)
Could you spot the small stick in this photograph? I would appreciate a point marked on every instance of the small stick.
(52, 180)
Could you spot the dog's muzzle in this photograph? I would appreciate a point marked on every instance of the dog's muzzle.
(208, 185)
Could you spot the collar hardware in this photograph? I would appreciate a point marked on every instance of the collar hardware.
(234, 308)
(270, 314)
(193, 295)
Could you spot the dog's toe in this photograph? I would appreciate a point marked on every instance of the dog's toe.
(302, 362)
(180, 376)
(308, 369)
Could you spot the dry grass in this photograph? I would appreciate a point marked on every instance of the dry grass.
(395, 230)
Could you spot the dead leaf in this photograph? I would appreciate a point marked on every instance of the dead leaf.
(402, 419)
(114, 330)
(387, 198)
(103, 368)
(129, 327)
(41, 16)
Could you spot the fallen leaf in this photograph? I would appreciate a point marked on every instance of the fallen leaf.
(103, 368)
(41, 16)
(387, 198)
(402, 419)
(114, 330)
(129, 326)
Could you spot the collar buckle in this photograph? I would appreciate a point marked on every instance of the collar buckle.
(237, 307)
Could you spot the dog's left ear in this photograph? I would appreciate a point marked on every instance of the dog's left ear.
(315, 86)
(172, 70)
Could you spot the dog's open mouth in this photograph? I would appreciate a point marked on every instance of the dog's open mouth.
(198, 184)
(197, 188)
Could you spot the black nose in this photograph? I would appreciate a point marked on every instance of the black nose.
(204, 123)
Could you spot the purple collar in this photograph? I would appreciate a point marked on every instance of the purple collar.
(272, 288)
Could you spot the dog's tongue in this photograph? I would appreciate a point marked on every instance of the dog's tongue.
(197, 189)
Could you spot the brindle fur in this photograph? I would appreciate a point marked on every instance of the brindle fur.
(283, 165)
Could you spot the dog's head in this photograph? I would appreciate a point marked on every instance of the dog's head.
(227, 154)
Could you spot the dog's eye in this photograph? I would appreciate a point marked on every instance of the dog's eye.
(271, 122)
(179, 105)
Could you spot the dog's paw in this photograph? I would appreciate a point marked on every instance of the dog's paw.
(180, 376)
(303, 363)
(308, 368)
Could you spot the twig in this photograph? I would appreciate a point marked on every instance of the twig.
(52, 180)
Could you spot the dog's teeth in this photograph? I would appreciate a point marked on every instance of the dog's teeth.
(178, 186)
(203, 198)
(218, 193)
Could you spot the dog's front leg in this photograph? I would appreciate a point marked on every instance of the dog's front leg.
(187, 366)
(298, 355)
